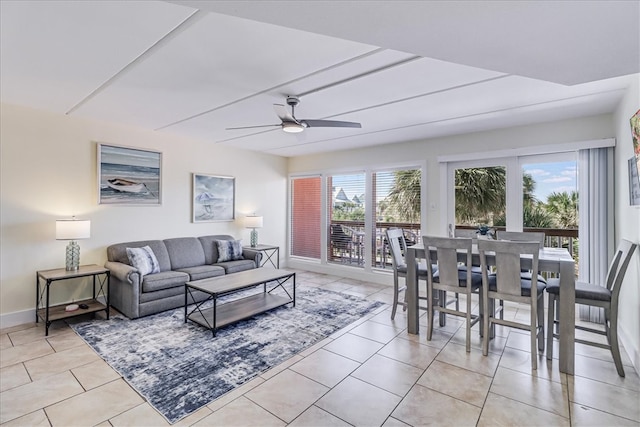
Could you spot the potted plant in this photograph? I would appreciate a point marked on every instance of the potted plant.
(485, 232)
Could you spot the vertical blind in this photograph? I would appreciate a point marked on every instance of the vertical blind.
(306, 217)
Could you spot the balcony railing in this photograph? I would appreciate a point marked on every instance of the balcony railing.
(346, 241)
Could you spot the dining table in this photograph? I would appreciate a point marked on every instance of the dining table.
(553, 260)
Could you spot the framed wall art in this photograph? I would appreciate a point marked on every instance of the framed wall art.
(635, 139)
(213, 198)
(129, 176)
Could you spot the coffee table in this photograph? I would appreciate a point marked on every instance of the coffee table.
(225, 313)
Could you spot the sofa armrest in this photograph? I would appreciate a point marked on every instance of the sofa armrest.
(122, 272)
(256, 256)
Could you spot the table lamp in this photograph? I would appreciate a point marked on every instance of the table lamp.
(253, 222)
(73, 229)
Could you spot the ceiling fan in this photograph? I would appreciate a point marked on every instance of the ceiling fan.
(292, 125)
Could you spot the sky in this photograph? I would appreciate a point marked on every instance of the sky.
(552, 177)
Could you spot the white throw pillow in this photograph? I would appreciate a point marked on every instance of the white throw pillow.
(229, 250)
(144, 260)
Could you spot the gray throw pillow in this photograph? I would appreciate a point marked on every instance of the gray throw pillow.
(144, 260)
(229, 250)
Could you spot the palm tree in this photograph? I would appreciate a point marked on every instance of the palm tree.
(564, 207)
(404, 196)
(480, 194)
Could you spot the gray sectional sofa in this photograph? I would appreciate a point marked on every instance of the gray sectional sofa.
(181, 259)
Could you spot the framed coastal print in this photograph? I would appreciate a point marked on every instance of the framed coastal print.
(129, 176)
(213, 198)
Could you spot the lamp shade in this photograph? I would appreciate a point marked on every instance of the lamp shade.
(73, 229)
(253, 222)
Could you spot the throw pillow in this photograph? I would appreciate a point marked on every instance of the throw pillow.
(229, 250)
(144, 260)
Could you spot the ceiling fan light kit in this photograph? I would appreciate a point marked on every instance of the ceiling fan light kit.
(292, 127)
(290, 124)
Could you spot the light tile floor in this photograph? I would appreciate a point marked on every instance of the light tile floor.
(371, 373)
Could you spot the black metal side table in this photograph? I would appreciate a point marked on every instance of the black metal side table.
(272, 254)
(50, 313)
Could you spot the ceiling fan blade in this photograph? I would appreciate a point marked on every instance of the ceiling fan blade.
(252, 127)
(283, 113)
(329, 124)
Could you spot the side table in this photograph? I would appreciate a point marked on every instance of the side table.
(50, 313)
(272, 254)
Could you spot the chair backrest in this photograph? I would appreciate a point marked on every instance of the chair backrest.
(338, 237)
(522, 236)
(505, 256)
(444, 251)
(397, 246)
(619, 264)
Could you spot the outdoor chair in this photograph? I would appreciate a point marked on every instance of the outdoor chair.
(598, 296)
(341, 242)
(509, 286)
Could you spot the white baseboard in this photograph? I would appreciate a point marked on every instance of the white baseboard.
(16, 318)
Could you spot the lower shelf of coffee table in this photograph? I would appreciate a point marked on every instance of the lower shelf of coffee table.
(234, 311)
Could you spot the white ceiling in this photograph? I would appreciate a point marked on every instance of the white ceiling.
(406, 70)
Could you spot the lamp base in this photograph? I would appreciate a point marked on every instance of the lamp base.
(72, 260)
(254, 238)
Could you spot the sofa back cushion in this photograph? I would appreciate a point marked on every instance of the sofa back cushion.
(185, 252)
(210, 246)
(118, 252)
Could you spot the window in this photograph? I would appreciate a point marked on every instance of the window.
(347, 226)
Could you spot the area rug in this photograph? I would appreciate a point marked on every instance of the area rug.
(180, 367)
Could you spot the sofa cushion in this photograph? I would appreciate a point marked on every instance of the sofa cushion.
(184, 252)
(229, 250)
(118, 252)
(143, 260)
(211, 248)
(235, 266)
(164, 280)
(203, 271)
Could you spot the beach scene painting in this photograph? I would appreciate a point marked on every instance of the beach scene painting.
(128, 176)
(635, 138)
(213, 198)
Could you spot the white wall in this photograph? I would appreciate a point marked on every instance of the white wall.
(48, 171)
(627, 225)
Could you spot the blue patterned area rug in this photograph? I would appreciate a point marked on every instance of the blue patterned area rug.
(180, 367)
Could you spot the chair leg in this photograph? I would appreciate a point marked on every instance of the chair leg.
(429, 312)
(485, 326)
(550, 323)
(395, 297)
(533, 330)
(613, 342)
(540, 324)
(468, 337)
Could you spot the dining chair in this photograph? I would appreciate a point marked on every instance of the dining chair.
(524, 236)
(606, 296)
(444, 252)
(509, 286)
(397, 247)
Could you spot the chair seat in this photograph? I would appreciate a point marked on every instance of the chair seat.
(422, 269)
(583, 290)
(476, 278)
(526, 275)
(524, 284)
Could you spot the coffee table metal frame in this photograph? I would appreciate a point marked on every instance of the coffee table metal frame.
(223, 314)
